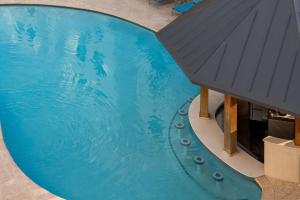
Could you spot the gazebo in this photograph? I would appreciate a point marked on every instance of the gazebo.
(244, 49)
(247, 50)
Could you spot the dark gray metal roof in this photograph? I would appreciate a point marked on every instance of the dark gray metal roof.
(246, 48)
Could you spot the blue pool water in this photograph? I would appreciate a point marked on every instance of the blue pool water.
(87, 105)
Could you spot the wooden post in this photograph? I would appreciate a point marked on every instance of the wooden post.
(204, 102)
(297, 131)
(230, 124)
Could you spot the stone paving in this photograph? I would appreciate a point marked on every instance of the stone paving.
(141, 12)
(274, 189)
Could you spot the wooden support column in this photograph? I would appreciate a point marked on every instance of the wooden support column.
(297, 131)
(204, 102)
(230, 124)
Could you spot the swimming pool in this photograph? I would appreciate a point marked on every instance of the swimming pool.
(86, 106)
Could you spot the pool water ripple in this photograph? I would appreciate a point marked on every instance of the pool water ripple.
(86, 101)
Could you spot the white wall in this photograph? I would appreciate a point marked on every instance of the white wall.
(282, 159)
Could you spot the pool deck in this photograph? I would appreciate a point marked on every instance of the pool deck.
(141, 12)
(273, 189)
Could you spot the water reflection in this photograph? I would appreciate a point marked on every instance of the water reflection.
(81, 51)
(97, 60)
(28, 30)
(99, 33)
(31, 11)
(31, 33)
(20, 27)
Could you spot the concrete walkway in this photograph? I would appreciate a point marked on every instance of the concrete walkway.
(14, 184)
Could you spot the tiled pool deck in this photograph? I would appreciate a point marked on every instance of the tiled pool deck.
(15, 185)
(138, 11)
(273, 189)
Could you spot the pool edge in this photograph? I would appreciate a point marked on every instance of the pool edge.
(14, 179)
(89, 8)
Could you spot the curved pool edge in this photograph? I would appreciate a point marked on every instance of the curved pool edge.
(211, 136)
(149, 17)
(14, 184)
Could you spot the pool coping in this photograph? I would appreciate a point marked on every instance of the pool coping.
(79, 5)
(12, 178)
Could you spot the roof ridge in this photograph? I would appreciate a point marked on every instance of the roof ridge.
(296, 9)
(228, 35)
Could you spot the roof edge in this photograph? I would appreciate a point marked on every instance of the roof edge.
(247, 99)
